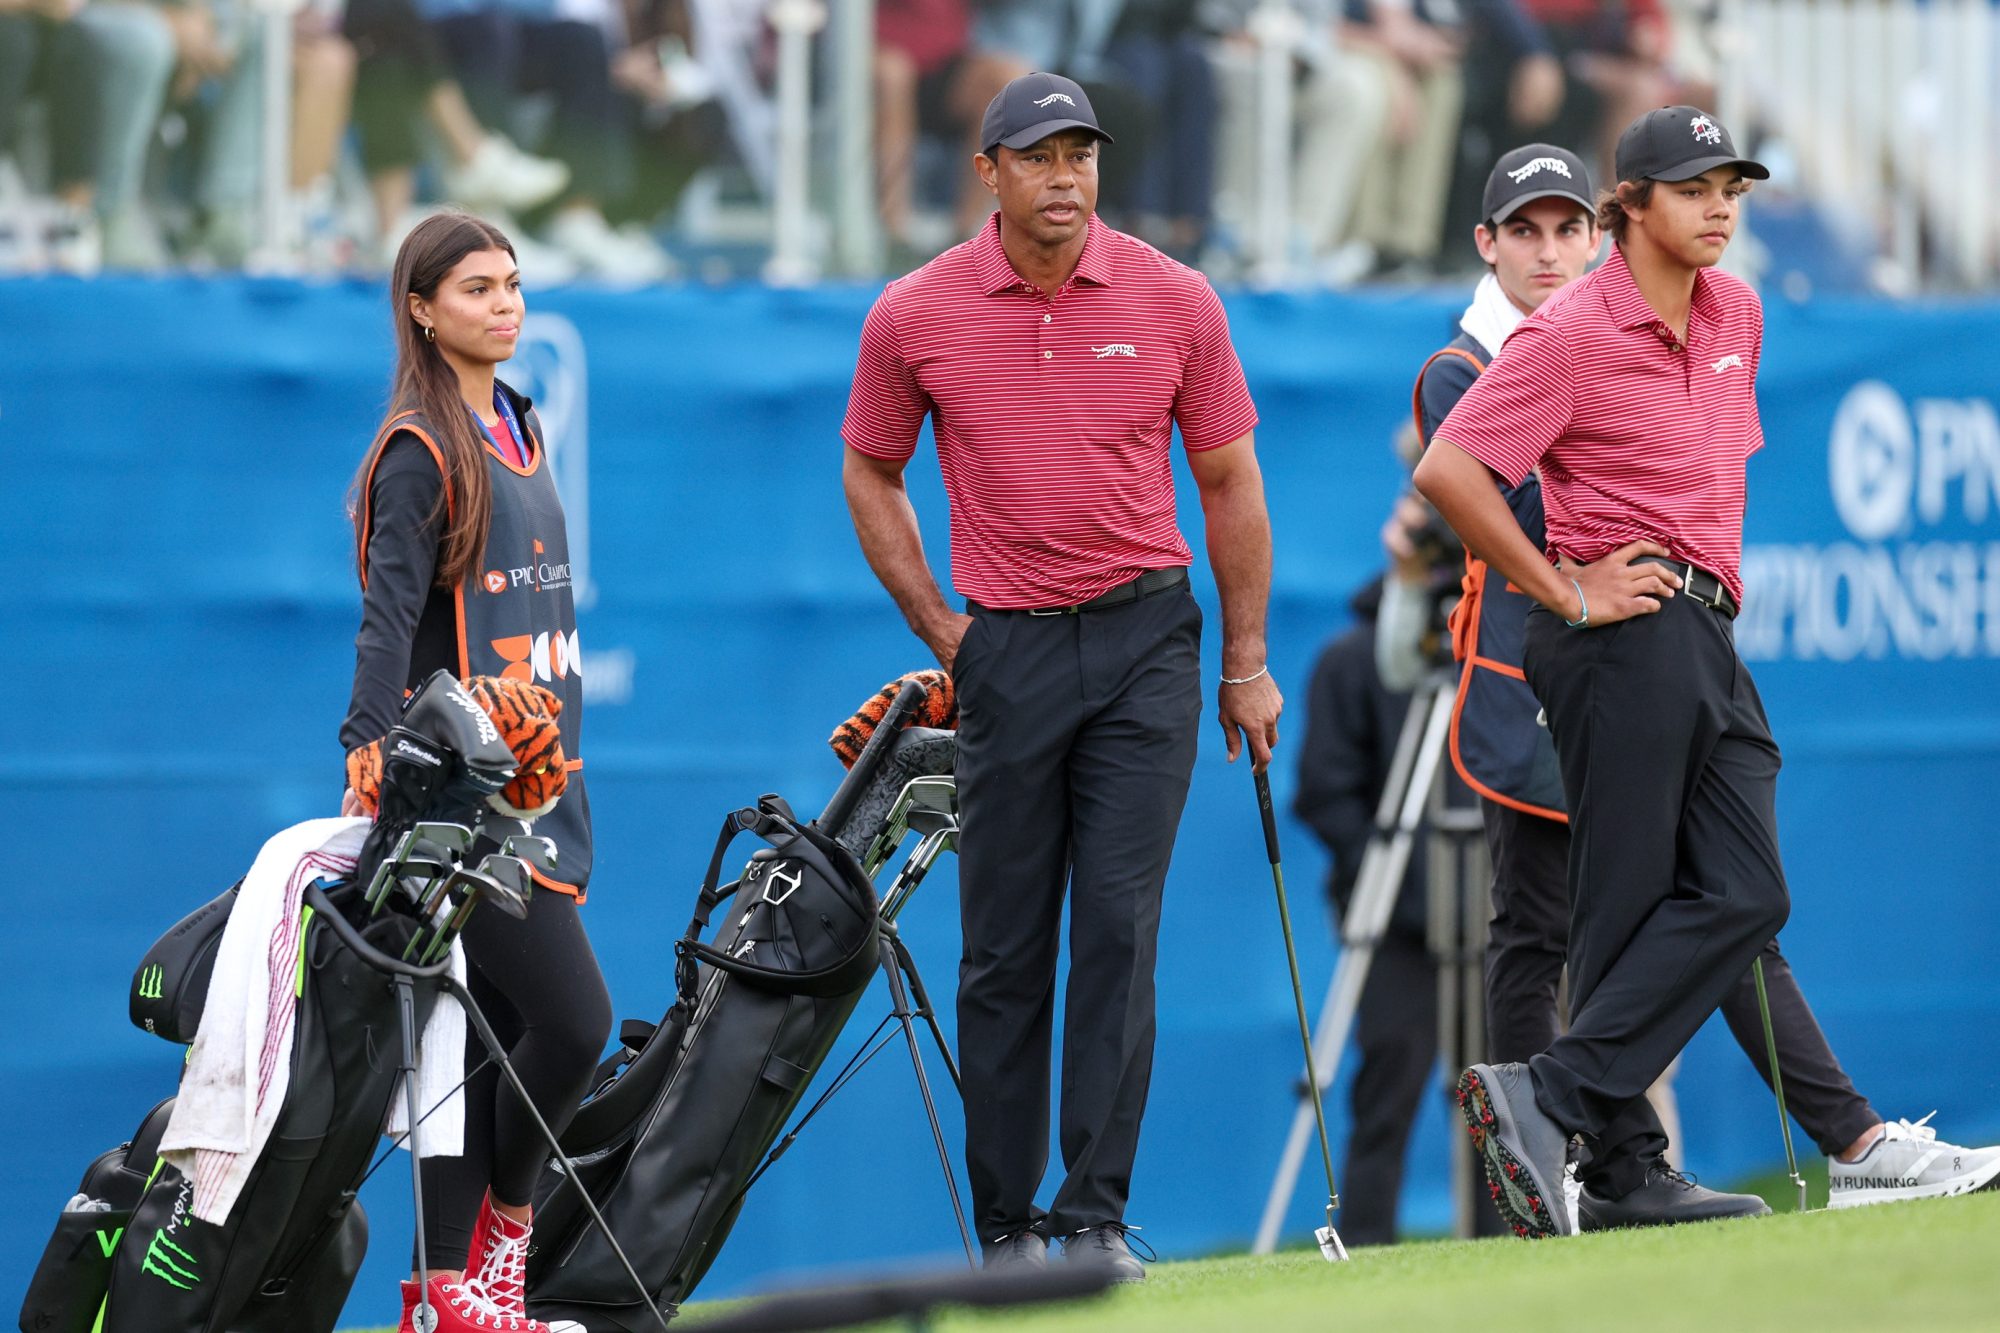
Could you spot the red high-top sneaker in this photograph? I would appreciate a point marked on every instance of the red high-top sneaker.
(461, 1306)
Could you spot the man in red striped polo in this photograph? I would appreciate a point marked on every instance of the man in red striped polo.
(1633, 391)
(1054, 357)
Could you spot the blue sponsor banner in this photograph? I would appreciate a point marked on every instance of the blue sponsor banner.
(181, 581)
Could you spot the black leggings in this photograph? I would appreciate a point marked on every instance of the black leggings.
(538, 984)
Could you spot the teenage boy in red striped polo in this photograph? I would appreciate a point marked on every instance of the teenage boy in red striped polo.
(1054, 357)
(1633, 391)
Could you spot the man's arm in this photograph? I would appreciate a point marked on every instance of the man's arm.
(1239, 551)
(1614, 589)
(886, 523)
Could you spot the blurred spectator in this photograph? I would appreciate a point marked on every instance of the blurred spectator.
(929, 77)
(1340, 110)
(102, 69)
(1614, 58)
(222, 73)
(1159, 49)
(503, 50)
(671, 104)
(1416, 47)
(402, 84)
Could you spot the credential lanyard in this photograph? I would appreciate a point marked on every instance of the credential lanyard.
(505, 407)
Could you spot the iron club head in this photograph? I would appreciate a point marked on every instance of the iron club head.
(513, 883)
(537, 851)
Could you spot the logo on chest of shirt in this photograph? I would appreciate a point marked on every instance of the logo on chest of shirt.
(1115, 349)
(540, 574)
(1731, 360)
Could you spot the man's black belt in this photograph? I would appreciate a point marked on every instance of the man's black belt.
(1148, 583)
(1698, 583)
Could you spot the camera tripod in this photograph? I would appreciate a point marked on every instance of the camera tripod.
(1414, 796)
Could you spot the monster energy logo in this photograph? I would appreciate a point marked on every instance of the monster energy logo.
(170, 1263)
(151, 979)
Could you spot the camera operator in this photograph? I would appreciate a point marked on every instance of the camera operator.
(1354, 715)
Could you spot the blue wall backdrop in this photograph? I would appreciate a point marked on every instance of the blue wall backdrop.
(179, 584)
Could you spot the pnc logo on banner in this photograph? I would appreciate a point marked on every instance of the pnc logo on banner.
(539, 657)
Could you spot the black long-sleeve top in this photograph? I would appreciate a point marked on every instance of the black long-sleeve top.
(409, 628)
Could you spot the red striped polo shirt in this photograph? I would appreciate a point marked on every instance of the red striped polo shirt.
(1053, 416)
(1636, 436)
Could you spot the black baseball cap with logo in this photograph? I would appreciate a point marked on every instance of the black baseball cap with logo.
(1033, 107)
(1530, 172)
(1678, 143)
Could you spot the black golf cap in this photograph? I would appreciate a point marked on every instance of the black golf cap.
(1534, 171)
(1678, 143)
(1033, 107)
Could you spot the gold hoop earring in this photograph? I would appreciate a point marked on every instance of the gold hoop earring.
(430, 334)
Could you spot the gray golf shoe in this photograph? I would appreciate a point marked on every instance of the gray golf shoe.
(1018, 1252)
(1524, 1151)
(1108, 1245)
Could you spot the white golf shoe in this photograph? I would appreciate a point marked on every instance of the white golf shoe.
(1909, 1161)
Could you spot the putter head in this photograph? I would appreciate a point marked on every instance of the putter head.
(513, 883)
(1330, 1246)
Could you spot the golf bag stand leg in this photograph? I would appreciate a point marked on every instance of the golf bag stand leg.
(406, 1008)
(491, 1041)
(894, 959)
(924, 1009)
(1460, 911)
(1413, 772)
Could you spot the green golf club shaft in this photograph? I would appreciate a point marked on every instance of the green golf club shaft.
(1298, 987)
(1777, 1079)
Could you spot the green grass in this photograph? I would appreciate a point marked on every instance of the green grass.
(1926, 1265)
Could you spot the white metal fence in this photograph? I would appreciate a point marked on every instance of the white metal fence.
(1887, 111)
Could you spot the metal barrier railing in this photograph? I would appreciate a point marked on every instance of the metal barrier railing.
(1886, 107)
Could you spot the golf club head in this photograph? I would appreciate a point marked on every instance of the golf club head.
(1330, 1246)
(453, 838)
(513, 883)
(930, 803)
(538, 852)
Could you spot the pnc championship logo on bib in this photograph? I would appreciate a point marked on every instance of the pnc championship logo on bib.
(541, 657)
(496, 582)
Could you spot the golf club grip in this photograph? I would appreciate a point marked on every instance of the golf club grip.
(1270, 816)
(832, 819)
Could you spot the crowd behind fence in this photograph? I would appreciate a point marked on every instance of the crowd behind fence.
(1323, 142)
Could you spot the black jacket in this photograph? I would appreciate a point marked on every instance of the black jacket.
(1352, 724)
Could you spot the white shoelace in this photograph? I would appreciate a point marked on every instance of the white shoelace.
(1918, 1130)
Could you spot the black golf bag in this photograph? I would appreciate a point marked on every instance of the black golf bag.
(687, 1110)
(285, 1258)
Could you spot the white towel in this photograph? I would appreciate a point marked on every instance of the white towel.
(239, 1069)
(440, 1072)
(1491, 316)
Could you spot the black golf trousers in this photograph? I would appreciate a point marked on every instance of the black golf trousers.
(1076, 741)
(537, 981)
(1528, 942)
(1675, 883)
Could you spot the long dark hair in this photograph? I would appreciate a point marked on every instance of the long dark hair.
(426, 382)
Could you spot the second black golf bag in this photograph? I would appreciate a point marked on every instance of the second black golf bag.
(669, 1146)
(686, 1113)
